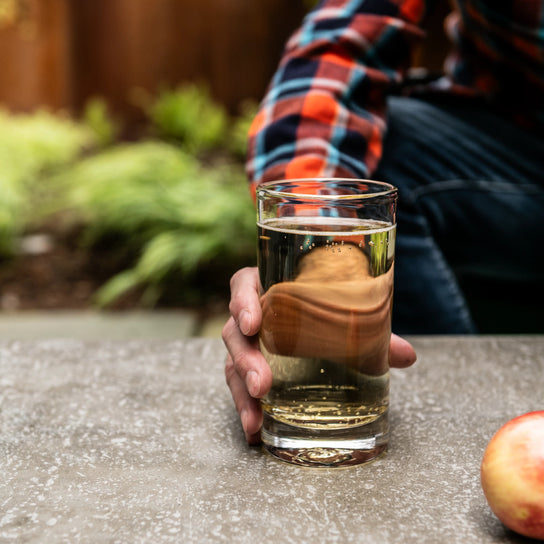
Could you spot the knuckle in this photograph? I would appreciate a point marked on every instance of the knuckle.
(235, 277)
(242, 363)
(232, 307)
(229, 370)
(226, 332)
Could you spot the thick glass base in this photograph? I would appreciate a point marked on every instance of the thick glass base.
(311, 447)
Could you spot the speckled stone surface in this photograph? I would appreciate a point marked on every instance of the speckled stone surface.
(139, 442)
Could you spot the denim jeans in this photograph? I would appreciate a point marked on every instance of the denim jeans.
(470, 234)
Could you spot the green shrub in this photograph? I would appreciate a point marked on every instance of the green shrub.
(175, 201)
(189, 116)
(237, 139)
(31, 145)
(97, 117)
(160, 200)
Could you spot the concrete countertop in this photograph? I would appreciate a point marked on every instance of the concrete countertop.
(139, 441)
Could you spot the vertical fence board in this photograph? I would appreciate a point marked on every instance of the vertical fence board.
(34, 56)
(233, 45)
(60, 53)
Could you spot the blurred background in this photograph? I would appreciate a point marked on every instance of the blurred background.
(123, 129)
(122, 140)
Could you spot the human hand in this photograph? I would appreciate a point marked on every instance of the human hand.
(247, 373)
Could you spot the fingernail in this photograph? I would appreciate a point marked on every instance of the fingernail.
(244, 321)
(253, 383)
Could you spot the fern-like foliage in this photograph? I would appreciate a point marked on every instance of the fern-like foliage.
(31, 145)
(160, 200)
(189, 116)
(177, 199)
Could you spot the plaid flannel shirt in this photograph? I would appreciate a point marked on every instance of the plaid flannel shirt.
(325, 110)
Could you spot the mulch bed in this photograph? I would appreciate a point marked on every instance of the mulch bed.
(61, 273)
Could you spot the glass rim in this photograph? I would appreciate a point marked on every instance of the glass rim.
(267, 188)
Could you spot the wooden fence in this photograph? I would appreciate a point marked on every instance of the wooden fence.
(59, 53)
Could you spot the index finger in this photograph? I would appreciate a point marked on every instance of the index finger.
(245, 306)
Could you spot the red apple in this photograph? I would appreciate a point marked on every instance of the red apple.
(512, 474)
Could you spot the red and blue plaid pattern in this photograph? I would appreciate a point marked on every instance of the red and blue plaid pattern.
(325, 113)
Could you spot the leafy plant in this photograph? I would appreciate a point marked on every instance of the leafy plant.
(190, 116)
(174, 203)
(29, 146)
(159, 199)
(236, 142)
(99, 120)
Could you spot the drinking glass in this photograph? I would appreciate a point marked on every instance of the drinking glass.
(326, 250)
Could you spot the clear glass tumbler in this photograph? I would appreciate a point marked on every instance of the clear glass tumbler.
(326, 250)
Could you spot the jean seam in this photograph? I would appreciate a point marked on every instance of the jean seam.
(452, 287)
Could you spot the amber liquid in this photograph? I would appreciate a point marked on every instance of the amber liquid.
(325, 333)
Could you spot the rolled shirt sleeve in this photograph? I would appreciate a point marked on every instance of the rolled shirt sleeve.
(324, 112)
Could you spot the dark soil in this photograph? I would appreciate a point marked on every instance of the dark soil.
(62, 273)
